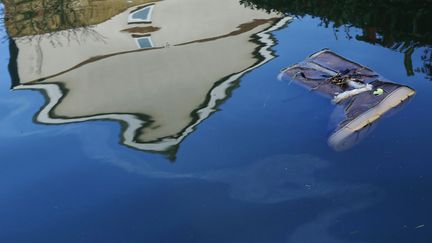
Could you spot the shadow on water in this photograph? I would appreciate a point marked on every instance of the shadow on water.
(402, 25)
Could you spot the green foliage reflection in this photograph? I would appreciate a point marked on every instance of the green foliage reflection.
(401, 25)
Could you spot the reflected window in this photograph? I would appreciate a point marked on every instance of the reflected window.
(141, 15)
(144, 42)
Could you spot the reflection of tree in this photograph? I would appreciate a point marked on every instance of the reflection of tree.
(25, 18)
(427, 63)
(54, 19)
(401, 25)
(36, 17)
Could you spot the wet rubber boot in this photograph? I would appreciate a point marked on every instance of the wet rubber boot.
(366, 96)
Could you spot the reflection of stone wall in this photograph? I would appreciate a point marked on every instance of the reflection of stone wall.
(26, 18)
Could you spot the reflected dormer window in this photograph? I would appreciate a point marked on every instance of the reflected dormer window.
(144, 42)
(142, 15)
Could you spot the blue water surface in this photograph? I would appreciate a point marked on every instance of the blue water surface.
(258, 170)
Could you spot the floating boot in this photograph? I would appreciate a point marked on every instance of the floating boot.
(364, 94)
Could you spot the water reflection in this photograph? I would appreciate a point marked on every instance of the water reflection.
(159, 68)
(285, 179)
(276, 179)
(36, 17)
(269, 180)
(399, 25)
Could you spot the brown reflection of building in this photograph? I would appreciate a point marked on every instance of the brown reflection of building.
(160, 68)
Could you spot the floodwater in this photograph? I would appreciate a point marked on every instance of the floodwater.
(166, 122)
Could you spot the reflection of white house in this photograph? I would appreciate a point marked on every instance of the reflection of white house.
(160, 68)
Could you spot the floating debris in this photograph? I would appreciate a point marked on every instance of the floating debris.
(363, 93)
